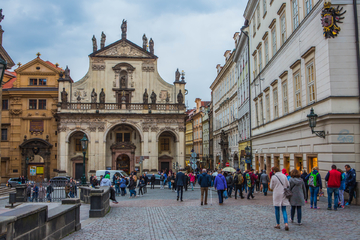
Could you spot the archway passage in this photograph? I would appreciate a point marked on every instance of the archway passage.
(123, 163)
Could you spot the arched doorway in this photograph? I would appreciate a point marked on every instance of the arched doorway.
(76, 157)
(167, 151)
(123, 163)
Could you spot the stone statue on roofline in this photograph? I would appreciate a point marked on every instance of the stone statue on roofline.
(102, 96)
(145, 97)
(123, 29)
(94, 43)
(93, 96)
(153, 97)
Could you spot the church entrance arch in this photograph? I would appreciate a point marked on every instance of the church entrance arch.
(123, 163)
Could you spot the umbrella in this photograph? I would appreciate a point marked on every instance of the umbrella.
(228, 169)
(215, 174)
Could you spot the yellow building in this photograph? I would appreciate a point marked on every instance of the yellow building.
(189, 140)
(29, 128)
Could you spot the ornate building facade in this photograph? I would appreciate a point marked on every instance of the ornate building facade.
(29, 129)
(126, 110)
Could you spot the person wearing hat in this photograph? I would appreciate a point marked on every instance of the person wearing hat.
(238, 182)
(105, 181)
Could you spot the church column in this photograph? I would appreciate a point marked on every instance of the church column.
(101, 151)
(181, 149)
(62, 153)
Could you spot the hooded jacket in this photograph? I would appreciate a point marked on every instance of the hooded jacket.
(204, 180)
(105, 182)
(350, 178)
(297, 186)
(318, 179)
(220, 182)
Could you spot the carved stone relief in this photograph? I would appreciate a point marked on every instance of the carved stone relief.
(15, 111)
(98, 67)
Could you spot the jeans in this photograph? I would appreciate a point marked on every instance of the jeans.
(145, 189)
(141, 191)
(132, 192)
(180, 189)
(265, 188)
(35, 196)
(161, 185)
(277, 214)
(313, 195)
(229, 190)
(250, 192)
(122, 191)
(192, 186)
(169, 184)
(220, 195)
(341, 197)
(351, 193)
(298, 213)
(330, 191)
(257, 186)
(117, 189)
(152, 185)
(239, 187)
(48, 197)
(29, 199)
(204, 191)
(245, 187)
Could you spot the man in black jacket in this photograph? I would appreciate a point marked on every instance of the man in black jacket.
(145, 182)
(180, 181)
(186, 181)
(238, 181)
(152, 181)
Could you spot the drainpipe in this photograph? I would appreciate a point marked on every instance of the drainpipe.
(248, 44)
(357, 44)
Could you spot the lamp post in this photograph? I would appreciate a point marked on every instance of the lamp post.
(26, 167)
(312, 124)
(84, 145)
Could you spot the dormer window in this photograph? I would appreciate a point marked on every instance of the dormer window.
(37, 82)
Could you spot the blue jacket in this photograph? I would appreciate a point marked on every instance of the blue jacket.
(220, 182)
(342, 184)
(204, 180)
(318, 179)
(122, 183)
(180, 179)
(350, 178)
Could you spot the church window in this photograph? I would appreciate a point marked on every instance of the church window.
(78, 147)
(32, 103)
(42, 104)
(165, 144)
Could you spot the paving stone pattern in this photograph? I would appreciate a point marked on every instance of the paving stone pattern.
(157, 215)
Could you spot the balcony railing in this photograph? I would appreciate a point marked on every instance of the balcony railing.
(122, 106)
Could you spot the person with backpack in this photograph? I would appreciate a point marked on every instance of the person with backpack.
(315, 184)
(297, 200)
(350, 183)
(250, 180)
(132, 186)
(230, 183)
(278, 183)
(238, 181)
(105, 181)
(264, 180)
(220, 186)
(333, 178)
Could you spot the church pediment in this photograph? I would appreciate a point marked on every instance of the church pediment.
(123, 49)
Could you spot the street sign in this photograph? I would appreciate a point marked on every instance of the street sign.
(227, 164)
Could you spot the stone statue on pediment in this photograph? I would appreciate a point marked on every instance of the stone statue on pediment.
(93, 96)
(151, 46)
(145, 40)
(64, 96)
(94, 43)
(177, 75)
(103, 38)
(153, 97)
(123, 29)
(180, 97)
(102, 96)
(145, 97)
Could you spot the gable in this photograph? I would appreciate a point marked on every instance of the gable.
(123, 49)
(37, 67)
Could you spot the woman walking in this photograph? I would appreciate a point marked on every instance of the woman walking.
(123, 186)
(192, 180)
(132, 186)
(220, 186)
(315, 184)
(297, 186)
(342, 188)
(278, 183)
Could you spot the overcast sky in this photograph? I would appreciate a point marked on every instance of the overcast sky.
(191, 35)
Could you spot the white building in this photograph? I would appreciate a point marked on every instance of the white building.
(295, 68)
(225, 108)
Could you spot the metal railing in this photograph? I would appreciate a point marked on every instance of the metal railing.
(124, 106)
(51, 192)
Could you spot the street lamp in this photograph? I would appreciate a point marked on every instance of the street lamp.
(26, 167)
(2, 69)
(84, 144)
(312, 123)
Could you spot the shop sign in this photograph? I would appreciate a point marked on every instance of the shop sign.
(40, 170)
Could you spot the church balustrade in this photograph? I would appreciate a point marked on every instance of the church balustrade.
(123, 106)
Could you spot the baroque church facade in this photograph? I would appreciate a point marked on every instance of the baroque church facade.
(126, 110)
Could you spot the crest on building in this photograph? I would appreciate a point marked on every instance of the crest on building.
(330, 17)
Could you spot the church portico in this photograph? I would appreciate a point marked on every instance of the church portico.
(126, 109)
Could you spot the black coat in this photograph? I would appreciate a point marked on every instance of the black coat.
(153, 178)
(180, 179)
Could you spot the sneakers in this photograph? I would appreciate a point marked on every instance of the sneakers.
(316, 208)
(329, 208)
(306, 201)
(347, 204)
(311, 207)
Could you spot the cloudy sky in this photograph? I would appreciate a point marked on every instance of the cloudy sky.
(191, 35)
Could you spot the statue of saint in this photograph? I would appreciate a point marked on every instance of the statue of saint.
(64, 96)
(102, 96)
(167, 99)
(103, 38)
(180, 97)
(123, 29)
(123, 82)
(93, 96)
(151, 46)
(145, 97)
(153, 97)
(177, 75)
(144, 42)
(94, 43)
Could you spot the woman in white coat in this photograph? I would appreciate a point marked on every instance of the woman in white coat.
(278, 183)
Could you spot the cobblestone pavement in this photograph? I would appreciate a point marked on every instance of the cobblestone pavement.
(157, 215)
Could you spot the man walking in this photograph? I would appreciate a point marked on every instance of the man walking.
(333, 179)
(238, 181)
(350, 182)
(230, 183)
(162, 181)
(204, 182)
(186, 181)
(145, 182)
(153, 181)
(180, 181)
(264, 180)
